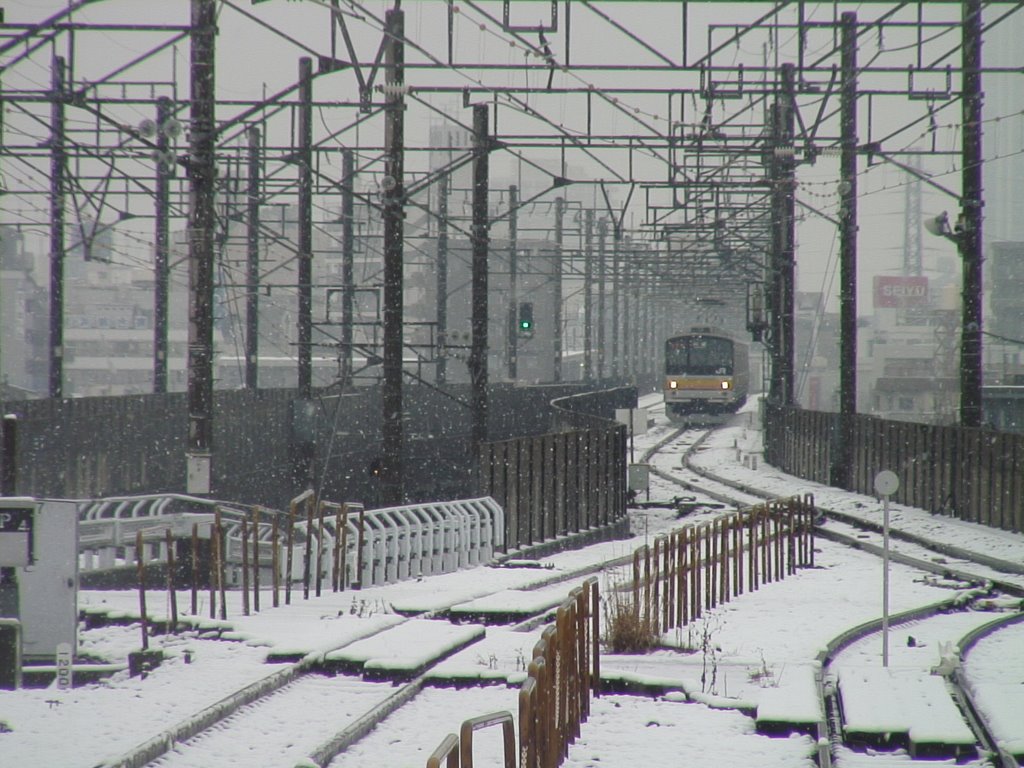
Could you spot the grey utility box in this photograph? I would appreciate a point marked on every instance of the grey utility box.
(39, 539)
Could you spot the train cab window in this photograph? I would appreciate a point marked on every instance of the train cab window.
(699, 356)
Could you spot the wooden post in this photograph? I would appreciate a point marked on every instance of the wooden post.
(595, 638)
(245, 567)
(256, 559)
(275, 559)
(171, 593)
(360, 549)
(335, 561)
(307, 560)
(682, 606)
(724, 564)
(195, 568)
(221, 548)
(212, 570)
(140, 567)
(320, 550)
(289, 540)
(343, 560)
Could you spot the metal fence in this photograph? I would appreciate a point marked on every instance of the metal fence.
(565, 481)
(970, 473)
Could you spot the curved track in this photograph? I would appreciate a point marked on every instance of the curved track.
(325, 717)
(954, 726)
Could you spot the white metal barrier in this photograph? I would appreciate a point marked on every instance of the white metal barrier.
(409, 541)
(378, 546)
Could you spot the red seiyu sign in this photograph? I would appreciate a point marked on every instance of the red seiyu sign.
(899, 291)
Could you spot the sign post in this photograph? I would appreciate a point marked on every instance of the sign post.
(886, 484)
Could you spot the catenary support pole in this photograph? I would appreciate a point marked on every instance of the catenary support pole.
(616, 299)
(58, 169)
(970, 242)
(480, 245)
(252, 262)
(392, 198)
(348, 251)
(513, 279)
(161, 243)
(843, 444)
(303, 456)
(556, 291)
(602, 237)
(588, 291)
(202, 192)
(442, 280)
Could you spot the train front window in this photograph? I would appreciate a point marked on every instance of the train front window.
(698, 356)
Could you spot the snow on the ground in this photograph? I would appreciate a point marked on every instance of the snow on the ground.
(756, 651)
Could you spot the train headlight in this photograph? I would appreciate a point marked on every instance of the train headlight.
(725, 385)
(673, 384)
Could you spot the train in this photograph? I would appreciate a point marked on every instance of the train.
(707, 375)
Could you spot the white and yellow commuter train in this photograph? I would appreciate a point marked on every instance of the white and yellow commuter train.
(706, 375)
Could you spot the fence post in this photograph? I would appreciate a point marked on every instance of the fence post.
(171, 568)
(214, 549)
(221, 550)
(527, 720)
(320, 548)
(275, 558)
(140, 568)
(256, 559)
(724, 563)
(195, 568)
(595, 636)
(307, 559)
(245, 567)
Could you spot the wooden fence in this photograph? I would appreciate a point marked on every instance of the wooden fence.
(697, 567)
(554, 700)
(969, 473)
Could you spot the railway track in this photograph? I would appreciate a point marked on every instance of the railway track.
(936, 715)
(307, 713)
(314, 707)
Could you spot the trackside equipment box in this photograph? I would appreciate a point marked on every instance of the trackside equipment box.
(39, 541)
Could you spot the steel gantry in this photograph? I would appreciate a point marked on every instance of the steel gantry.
(626, 168)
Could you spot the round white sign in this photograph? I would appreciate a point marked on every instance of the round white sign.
(886, 483)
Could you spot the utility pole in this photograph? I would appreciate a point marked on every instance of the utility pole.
(348, 197)
(201, 177)
(304, 440)
(393, 202)
(556, 293)
(305, 215)
(843, 445)
(616, 285)
(442, 280)
(588, 289)
(58, 168)
(161, 245)
(513, 278)
(783, 214)
(970, 241)
(252, 264)
(627, 341)
(480, 244)
(602, 234)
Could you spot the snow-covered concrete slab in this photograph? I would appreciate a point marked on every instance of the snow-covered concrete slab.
(404, 650)
(511, 604)
(792, 703)
(903, 707)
